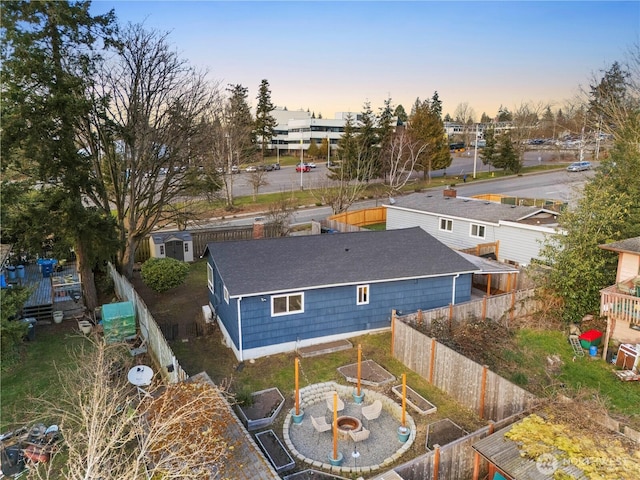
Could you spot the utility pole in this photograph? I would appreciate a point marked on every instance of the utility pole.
(475, 152)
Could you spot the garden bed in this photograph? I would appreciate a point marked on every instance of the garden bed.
(275, 451)
(443, 432)
(415, 400)
(371, 374)
(263, 410)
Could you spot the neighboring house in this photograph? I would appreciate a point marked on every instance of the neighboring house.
(620, 303)
(275, 295)
(178, 245)
(464, 223)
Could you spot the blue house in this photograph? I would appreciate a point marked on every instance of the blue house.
(275, 295)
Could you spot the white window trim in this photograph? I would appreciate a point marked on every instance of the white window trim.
(210, 278)
(480, 226)
(288, 312)
(358, 290)
(226, 294)
(449, 222)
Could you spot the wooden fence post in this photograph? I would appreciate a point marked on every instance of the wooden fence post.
(432, 360)
(484, 307)
(476, 466)
(420, 317)
(489, 284)
(483, 390)
(450, 315)
(512, 312)
(436, 462)
(393, 328)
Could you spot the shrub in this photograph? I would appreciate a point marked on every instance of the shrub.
(162, 274)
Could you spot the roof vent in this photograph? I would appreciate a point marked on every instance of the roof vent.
(346, 249)
(513, 206)
(465, 200)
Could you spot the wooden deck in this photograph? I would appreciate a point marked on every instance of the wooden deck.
(40, 304)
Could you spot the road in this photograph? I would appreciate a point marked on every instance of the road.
(553, 185)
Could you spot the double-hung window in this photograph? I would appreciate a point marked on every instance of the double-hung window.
(446, 224)
(287, 304)
(210, 277)
(477, 231)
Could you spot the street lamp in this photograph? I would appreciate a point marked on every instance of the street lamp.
(475, 152)
(301, 165)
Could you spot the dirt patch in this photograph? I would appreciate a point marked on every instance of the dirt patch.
(264, 404)
(371, 373)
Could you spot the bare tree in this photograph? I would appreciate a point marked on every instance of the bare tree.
(146, 133)
(465, 115)
(526, 117)
(257, 179)
(404, 155)
(279, 215)
(175, 432)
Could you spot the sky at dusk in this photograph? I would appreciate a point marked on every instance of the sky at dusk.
(333, 56)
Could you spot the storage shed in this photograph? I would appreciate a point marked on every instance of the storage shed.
(177, 244)
(118, 321)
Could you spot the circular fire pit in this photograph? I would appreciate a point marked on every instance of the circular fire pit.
(348, 424)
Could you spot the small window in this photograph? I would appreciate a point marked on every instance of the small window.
(477, 231)
(287, 304)
(363, 295)
(161, 249)
(226, 295)
(446, 224)
(186, 247)
(210, 277)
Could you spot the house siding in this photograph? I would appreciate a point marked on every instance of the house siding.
(519, 244)
(333, 311)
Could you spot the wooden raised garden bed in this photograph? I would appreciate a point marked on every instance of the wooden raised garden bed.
(415, 400)
(275, 451)
(311, 474)
(263, 411)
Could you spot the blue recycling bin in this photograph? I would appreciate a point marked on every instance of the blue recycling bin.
(11, 271)
(20, 271)
(47, 267)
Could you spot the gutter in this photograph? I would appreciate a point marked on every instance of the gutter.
(453, 292)
(240, 331)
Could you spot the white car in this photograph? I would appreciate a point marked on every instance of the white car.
(251, 168)
(311, 164)
(579, 166)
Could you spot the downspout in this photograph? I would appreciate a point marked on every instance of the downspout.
(453, 293)
(240, 331)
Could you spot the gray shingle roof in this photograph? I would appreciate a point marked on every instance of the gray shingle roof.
(631, 245)
(278, 264)
(474, 209)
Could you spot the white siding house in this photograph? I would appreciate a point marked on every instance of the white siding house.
(462, 223)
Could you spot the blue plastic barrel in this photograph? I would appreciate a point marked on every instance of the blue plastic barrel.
(593, 350)
(20, 271)
(12, 272)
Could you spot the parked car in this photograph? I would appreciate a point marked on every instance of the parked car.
(579, 166)
(251, 168)
(311, 164)
(235, 169)
(265, 167)
(303, 167)
(276, 166)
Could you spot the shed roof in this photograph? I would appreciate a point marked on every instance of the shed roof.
(505, 454)
(628, 245)
(163, 237)
(474, 209)
(312, 261)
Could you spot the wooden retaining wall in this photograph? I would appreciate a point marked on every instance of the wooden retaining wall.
(157, 345)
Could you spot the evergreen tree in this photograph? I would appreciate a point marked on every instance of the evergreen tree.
(265, 123)
(347, 152)
(608, 98)
(504, 115)
(241, 135)
(368, 145)
(426, 128)
(385, 131)
(485, 119)
(49, 58)
(436, 105)
(508, 158)
(401, 115)
(313, 151)
(447, 118)
(489, 153)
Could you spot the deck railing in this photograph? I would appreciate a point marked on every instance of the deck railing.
(620, 306)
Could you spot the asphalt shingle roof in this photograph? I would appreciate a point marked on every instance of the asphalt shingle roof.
(631, 245)
(279, 264)
(462, 207)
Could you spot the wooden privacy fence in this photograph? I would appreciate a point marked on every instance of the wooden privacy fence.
(157, 345)
(503, 309)
(469, 383)
(360, 218)
(201, 237)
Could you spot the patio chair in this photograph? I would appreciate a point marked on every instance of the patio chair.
(360, 436)
(329, 398)
(320, 424)
(373, 411)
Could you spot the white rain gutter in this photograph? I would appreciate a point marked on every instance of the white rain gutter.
(453, 293)
(240, 331)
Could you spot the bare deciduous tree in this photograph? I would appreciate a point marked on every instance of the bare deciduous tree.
(404, 155)
(257, 179)
(175, 432)
(146, 133)
(279, 215)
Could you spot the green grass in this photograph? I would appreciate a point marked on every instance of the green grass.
(35, 375)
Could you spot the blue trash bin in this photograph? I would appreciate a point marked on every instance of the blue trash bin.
(20, 271)
(11, 270)
(47, 268)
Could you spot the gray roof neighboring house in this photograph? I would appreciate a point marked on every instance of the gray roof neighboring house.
(251, 267)
(628, 245)
(474, 209)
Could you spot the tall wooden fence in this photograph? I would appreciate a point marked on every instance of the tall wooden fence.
(157, 345)
(361, 218)
(471, 384)
(503, 309)
(201, 237)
